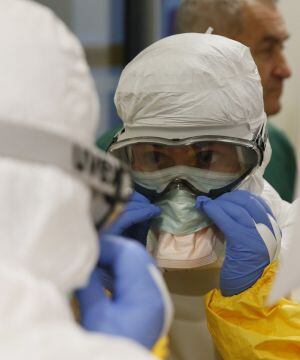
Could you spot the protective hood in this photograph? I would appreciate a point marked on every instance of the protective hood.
(45, 221)
(191, 85)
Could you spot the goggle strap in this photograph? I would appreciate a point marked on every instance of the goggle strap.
(261, 140)
(103, 173)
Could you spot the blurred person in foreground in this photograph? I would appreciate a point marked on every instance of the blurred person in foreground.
(51, 175)
(194, 136)
(259, 25)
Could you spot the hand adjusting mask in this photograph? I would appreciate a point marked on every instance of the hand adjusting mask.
(172, 173)
(108, 180)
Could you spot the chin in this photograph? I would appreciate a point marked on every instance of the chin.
(272, 108)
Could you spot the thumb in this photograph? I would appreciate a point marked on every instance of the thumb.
(93, 294)
(135, 213)
(215, 212)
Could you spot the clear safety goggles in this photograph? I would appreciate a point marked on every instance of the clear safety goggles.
(192, 160)
(109, 181)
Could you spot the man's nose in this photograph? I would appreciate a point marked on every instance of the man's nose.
(282, 68)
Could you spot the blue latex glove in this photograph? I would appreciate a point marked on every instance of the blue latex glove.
(140, 308)
(252, 237)
(134, 222)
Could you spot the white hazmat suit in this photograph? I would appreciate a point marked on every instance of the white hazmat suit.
(181, 87)
(48, 244)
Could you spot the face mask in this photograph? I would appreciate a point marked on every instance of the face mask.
(178, 213)
(202, 180)
(181, 235)
(196, 250)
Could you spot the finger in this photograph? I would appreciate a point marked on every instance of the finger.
(251, 204)
(136, 196)
(127, 260)
(137, 279)
(138, 215)
(238, 214)
(214, 211)
(115, 248)
(93, 294)
(134, 205)
(132, 217)
(264, 204)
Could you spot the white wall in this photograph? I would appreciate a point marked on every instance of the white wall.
(289, 117)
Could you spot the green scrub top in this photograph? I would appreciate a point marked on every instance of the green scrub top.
(282, 170)
(105, 140)
(280, 173)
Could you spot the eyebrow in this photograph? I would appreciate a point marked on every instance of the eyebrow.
(272, 39)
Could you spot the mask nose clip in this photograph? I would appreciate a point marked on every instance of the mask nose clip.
(181, 184)
(178, 184)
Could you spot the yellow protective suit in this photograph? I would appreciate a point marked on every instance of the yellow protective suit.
(161, 348)
(243, 328)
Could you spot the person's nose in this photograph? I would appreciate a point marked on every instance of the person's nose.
(282, 69)
(180, 156)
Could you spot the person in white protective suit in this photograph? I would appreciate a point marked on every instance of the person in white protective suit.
(50, 175)
(194, 136)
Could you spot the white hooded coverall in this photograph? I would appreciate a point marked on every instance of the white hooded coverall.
(191, 85)
(48, 245)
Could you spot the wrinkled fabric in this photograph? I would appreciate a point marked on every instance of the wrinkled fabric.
(51, 87)
(189, 335)
(46, 239)
(55, 93)
(287, 279)
(48, 245)
(178, 215)
(185, 251)
(192, 85)
(244, 328)
(45, 329)
(212, 88)
(181, 232)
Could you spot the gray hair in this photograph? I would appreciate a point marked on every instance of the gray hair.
(224, 16)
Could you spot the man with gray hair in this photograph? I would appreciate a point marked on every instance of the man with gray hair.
(257, 24)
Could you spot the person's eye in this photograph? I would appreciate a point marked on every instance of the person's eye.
(267, 51)
(206, 158)
(155, 158)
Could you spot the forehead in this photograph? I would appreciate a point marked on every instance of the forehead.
(263, 22)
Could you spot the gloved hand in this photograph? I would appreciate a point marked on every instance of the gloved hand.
(140, 307)
(252, 237)
(134, 222)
